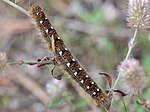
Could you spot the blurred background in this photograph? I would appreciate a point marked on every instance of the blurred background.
(96, 33)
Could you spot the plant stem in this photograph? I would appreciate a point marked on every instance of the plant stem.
(132, 41)
(124, 105)
(17, 7)
(20, 62)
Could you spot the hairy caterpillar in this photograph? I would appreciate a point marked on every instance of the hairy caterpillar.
(64, 56)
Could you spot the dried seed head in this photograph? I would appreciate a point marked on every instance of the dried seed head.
(3, 61)
(138, 14)
(132, 75)
(3, 64)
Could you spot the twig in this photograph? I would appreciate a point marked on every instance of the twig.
(20, 62)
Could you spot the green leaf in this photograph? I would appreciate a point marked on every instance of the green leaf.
(95, 16)
(104, 109)
(109, 46)
(82, 103)
(138, 107)
(70, 98)
(146, 63)
(55, 102)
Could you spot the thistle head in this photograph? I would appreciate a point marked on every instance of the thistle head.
(132, 75)
(138, 14)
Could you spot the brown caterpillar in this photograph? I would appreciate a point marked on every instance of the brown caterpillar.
(64, 56)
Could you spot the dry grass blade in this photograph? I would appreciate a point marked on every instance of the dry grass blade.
(15, 26)
(28, 83)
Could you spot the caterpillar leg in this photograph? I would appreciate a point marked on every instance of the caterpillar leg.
(58, 77)
(108, 77)
(44, 59)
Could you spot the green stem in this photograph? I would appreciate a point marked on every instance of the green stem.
(31, 2)
(132, 44)
(132, 41)
(17, 7)
(124, 105)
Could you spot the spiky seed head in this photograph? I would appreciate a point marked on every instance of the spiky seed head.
(132, 75)
(138, 14)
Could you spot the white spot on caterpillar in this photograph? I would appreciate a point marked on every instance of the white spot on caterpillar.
(80, 68)
(45, 18)
(73, 59)
(37, 13)
(41, 22)
(82, 81)
(68, 64)
(60, 53)
(66, 49)
(46, 30)
(92, 82)
(87, 76)
(94, 93)
(52, 27)
(97, 89)
(75, 73)
(58, 37)
(87, 87)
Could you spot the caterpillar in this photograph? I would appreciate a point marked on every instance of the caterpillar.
(66, 59)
